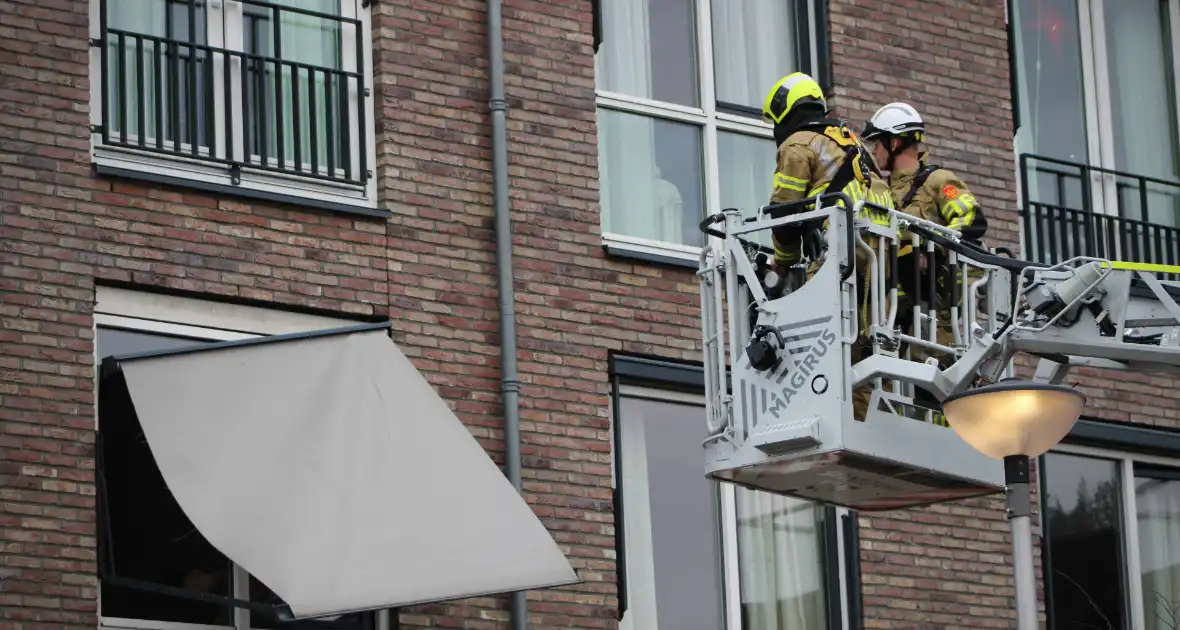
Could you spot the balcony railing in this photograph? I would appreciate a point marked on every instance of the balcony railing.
(242, 83)
(1063, 213)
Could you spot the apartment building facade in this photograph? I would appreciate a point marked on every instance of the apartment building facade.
(184, 171)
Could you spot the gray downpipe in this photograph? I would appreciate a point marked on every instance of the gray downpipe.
(509, 386)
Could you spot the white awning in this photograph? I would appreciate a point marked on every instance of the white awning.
(329, 468)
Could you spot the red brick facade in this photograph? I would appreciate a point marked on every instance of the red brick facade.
(430, 268)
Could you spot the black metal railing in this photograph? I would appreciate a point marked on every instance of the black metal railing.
(1062, 218)
(171, 92)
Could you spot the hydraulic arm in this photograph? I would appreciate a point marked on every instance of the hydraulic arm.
(784, 355)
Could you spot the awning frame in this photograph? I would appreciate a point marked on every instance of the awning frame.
(113, 374)
(111, 368)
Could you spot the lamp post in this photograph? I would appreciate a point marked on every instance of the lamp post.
(1015, 421)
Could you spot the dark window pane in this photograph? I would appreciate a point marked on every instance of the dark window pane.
(649, 50)
(651, 178)
(1084, 535)
(671, 518)
(151, 539)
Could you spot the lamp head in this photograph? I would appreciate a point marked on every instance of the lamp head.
(1014, 417)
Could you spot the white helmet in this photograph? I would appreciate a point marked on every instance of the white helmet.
(895, 119)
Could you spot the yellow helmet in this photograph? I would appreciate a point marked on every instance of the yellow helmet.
(790, 92)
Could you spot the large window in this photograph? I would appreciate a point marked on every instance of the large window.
(268, 98)
(680, 90)
(1111, 539)
(146, 537)
(701, 555)
(1097, 86)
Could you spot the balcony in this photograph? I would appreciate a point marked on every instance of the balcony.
(245, 93)
(1072, 209)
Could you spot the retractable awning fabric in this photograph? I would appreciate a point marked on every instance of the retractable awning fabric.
(329, 468)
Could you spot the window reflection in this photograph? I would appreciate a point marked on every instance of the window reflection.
(1084, 537)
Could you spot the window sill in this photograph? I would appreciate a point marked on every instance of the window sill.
(684, 256)
(131, 164)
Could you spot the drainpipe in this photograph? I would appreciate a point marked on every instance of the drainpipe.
(509, 387)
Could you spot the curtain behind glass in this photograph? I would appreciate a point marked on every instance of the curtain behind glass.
(650, 178)
(627, 161)
(161, 68)
(316, 42)
(746, 165)
(1142, 88)
(670, 520)
(649, 50)
(781, 560)
(754, 45)
(1158, 515)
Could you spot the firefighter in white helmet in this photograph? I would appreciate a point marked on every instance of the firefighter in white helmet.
(897, 135)
(936, 194)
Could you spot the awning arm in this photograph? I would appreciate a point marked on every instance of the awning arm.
(110, 364)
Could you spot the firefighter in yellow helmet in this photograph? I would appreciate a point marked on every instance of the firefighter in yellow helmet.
(818, 153)
(897, 133)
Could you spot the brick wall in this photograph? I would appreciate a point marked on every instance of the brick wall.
(61, 231)
(431, 268)
(573, 304)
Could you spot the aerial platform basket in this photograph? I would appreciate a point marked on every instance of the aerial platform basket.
(784, 423)
(782, 356)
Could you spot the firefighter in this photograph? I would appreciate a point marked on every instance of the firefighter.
(816, 154)
(931, 192)
(897, 134)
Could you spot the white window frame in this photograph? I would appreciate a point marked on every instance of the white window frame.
(1126, 466)
(224, 28)
(731, 575)
(1099, 111)
(708, 119)
(136, 311)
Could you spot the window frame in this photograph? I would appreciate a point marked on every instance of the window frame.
(712, 117)
(1125, 456)
(154, 313)
(246, 181)
(1099, 113)
(678, 383)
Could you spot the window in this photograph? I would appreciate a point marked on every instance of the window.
(701, 555)
(147, 536)
(1111, 539)
(1099, 126)
(263, 98)
(680, 88)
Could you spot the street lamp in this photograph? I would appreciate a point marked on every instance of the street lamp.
(1014, 421)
